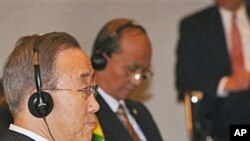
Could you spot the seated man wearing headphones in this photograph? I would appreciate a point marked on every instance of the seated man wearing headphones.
(48, 85)
(121, 57)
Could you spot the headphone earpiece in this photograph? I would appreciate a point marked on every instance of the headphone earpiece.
(99, 62)
(40, 103)
(40, 107)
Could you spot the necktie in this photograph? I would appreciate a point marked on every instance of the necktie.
(123, 117)
(237, 55)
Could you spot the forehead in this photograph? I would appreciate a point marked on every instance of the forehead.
(135, 46)
(74, 65)
(135, 40)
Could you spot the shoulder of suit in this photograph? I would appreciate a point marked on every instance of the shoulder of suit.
(200, 14)
(132, 103)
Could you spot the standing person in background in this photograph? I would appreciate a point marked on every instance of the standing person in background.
(213, 57)
(121, 57)
(48, 85)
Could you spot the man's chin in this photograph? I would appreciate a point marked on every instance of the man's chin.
(87, 137)
(125, 95)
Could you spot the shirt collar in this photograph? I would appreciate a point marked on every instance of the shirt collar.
(228, 14)
(111, 101)
(26, 132)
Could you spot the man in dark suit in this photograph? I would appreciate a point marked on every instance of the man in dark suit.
(121, 57)
(205, 62)
(55, 60)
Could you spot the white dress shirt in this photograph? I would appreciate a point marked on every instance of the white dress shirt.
(26, 132)
(114, 104)
(243, 24)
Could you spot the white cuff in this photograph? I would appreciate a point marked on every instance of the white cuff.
(221, 88)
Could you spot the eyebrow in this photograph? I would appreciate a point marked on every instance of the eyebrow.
(84, 76)
(137, 66)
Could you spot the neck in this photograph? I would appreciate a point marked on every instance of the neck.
(38, 125)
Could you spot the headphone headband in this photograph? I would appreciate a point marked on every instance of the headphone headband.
(36, 65)
(40, 103)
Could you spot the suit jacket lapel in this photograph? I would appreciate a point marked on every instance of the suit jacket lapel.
(219, 45)
(217, 34)
(138, 116)
(112, 127)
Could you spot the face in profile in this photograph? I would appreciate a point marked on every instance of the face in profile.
(133, 58)
(73, 118)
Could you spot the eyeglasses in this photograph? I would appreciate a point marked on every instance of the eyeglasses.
(92, 89)
(134, 72)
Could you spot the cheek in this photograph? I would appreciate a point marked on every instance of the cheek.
(75, 109)
(116, 79)
(120, 82)
(78, 107)
(118, 76)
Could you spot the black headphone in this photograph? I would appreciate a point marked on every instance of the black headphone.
(40, 103)
(106, 44)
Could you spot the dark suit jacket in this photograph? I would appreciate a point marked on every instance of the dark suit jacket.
(5, 134)
(5, 118)
(202, 60)
(115, 131)
(14, 136)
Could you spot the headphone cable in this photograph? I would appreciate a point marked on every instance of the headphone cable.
(47, 125)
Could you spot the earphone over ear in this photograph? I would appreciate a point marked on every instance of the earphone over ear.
(40, 103)
(98, 59)
(98, 62)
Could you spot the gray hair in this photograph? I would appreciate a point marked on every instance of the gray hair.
(18, 74)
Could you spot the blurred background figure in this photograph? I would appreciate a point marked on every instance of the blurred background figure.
(213, 58)
(121, 57)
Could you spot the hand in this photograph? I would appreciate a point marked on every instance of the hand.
(238, 82)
